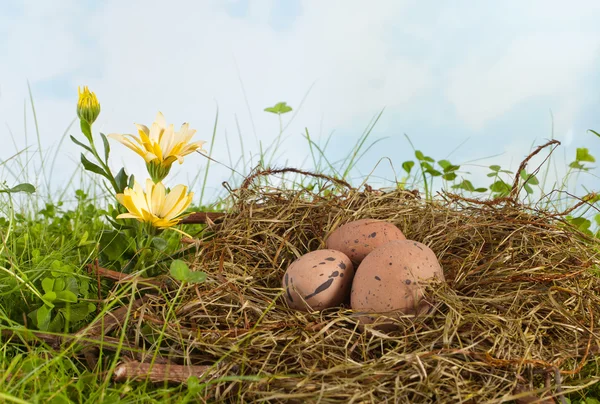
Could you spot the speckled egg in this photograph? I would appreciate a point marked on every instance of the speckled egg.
(318, 280)
(390, 279)
(358, 238)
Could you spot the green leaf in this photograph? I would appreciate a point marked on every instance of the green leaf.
(279, 108)
(121, 180)
(408, 165)
(528, 189)
(78, 143)
(578, 166)
(66, 296)
(59, 285)
(529, 178)
(159, 243)
(447, 166)
(451, 176)
(179, 270)
(581, 223)
(24, 187)
(500, 187)
(57, 324)
(196, 277)
(583, 154)
(444, 164)
(419, 155)
(71, 284)
(49, 296)
(88, 165)
(43, 316)
(106, 147)
(86, 129)
(594, 132)
(495, 168)
(77, 312)
(433, 172)
(465, 185)
(194, 386)
(118, 226)
(56, 268)
(48, 285)
(114, 244)
(597, 219)
(84, 240)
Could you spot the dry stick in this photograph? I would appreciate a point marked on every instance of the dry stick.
(530, 398)
(110, 320)
(558, 383)
(582, 201)
(202, 217)
(121, 277)
(157, 373)
(97, 329)
(270, 171)
(514, 193)
(56, 341)
(512, 198)
(488, 202)
(103, 326)
(99, 285)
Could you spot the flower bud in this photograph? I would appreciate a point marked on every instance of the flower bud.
(88, 107)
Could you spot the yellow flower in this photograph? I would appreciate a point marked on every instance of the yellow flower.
(156, 206)
(88, 107)
(160, 145)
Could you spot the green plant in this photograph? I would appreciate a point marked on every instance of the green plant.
(62, 308)
(181, 272)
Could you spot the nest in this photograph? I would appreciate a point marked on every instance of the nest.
(518, 315)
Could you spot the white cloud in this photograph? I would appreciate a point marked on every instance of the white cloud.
(145, 56)
(485, 89)
(185, 69)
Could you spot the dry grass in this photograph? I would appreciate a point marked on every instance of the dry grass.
(519, 311)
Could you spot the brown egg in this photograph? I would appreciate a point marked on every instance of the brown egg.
(318, 280)
(390, 279)
(358, 238)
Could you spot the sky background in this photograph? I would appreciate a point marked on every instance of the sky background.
(495, 78)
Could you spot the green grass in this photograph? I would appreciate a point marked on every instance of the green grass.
(48, 239)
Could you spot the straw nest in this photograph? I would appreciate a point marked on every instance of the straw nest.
(518, 315)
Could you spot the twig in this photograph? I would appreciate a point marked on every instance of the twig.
(523, 395)
(270, 171)
(111, 319)
(558, 383)
(157, 373)
(56, 341)
(122, 277)
(582, 201)
(514, 192)
(203, 217)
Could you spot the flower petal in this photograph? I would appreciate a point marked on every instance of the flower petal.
(160, 120)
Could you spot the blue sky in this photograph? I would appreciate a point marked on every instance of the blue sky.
(501, 76)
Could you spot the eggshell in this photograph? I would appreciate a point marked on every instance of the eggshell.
(390, 279)
(318, 280)
(358, 238)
